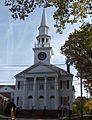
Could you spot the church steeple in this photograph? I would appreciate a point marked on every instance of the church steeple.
(44, 19)
(43, 29)
(42, 50)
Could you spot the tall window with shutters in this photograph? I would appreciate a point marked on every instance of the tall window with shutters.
(64, 84)
(60, 84)
(18, 85)
(17, 103)
(67, 84)
(51, 82)
(61, 100)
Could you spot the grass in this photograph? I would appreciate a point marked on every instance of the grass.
(85, 117)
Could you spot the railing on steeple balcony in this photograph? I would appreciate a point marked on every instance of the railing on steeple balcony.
(40, 45)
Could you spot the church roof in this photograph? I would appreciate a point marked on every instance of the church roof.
(50, 66)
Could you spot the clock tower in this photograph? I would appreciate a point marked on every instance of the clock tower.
(42, 50)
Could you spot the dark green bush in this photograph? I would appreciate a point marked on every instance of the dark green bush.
(8, 108)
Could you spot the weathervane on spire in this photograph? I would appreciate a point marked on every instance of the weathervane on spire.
(44, 3)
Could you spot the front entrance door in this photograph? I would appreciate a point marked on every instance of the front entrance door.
(52, 102)
(30, 101)
(41, 102)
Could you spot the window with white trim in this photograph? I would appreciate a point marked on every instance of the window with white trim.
(30, 82)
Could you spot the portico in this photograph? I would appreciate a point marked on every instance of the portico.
(42, 90)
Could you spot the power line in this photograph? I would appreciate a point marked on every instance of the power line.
(11, 65)
(8, 67)
(9, 70)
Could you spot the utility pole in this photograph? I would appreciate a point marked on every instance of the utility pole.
(81, 92)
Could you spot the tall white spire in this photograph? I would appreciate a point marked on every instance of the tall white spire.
(43, 29)
(44, 18)
(42, 48)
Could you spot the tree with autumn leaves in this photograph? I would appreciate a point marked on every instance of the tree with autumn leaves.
(87, 106)
(78, 50)
(66, 11)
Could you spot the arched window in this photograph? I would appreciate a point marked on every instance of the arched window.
(41, 97)
(30, 97)
(46, 40)
(52, 97)
(52, 102)
(42, 42)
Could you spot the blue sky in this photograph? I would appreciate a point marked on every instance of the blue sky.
(17, 39)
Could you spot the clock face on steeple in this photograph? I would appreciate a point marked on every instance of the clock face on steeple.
(42, 56)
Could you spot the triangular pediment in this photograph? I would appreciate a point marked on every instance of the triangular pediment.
(42, 68)
(37, 68)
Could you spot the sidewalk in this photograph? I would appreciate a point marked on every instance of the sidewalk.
(2, 117)
(33, 119)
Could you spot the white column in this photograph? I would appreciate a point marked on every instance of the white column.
(45, 43)
(45, 93)
(34, 93)
(12, 96)
(25, 95)
(56, 93)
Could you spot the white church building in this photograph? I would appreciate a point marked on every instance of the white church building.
(43, 85)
